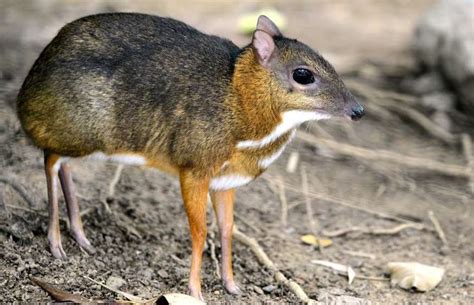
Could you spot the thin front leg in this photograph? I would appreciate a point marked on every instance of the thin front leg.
(194, 191)
(51, 165)
(223, 203)
(69, 191)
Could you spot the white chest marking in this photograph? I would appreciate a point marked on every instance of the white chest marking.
(290, 119)
(264, 163)
(229, 181)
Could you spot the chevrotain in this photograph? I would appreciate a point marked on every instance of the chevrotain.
(152, 91)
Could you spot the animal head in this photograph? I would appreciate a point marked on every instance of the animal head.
(302, 78)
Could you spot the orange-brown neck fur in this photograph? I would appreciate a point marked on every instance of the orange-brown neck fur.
(253, 95)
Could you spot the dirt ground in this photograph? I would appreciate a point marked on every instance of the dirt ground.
(145, 240)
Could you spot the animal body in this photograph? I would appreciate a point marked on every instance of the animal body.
(154, 91)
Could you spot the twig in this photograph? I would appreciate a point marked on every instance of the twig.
(247, 223)
(212, 246)
(383, 231)
(309, 209)
(115, 180)
(17, 187)
(468, 155)
(265, 261)
(371, 278)
(37, 212)
(386, 156)
(360, 254)
(129, 296)
(283, 202)
(438, 228)
(356, 206)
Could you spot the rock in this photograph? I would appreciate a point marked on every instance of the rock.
(269, 288)
(163, 274)
(444, 42)
(115, 282)
(258, 290)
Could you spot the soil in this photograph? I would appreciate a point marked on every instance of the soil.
(144, 240)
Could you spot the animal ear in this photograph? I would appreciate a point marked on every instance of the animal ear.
(264, 46)
(265, 24)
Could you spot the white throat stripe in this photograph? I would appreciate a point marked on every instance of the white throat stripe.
(290, 119)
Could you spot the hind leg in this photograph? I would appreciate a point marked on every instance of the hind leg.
(51, 164)
(77, 230)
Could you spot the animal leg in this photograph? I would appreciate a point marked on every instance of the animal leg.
(51, 164)
(77, 230)
(194, 191)
(223, 203)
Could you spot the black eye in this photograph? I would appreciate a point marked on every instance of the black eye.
(303, 76)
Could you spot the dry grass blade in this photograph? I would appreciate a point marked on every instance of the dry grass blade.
(346, 270)
(58, 294)
(386, 156)
(438, 228)
(283, 201)
(360, 254)
(355, 206)
(309, 209)
(468, 155)
(265, 261)
(127, 295)
(382, 231)
(115, 180)
(211, 236)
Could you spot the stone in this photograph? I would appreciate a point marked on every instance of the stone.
(444, 42)
(269, 288)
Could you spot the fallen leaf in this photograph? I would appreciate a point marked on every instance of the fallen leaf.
(178, 299)
(339, 268)
(58, 294)
(412, 275)
(310, 239)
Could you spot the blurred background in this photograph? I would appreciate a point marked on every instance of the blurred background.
(397, 186)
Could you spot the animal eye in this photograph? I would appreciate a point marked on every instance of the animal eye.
(303, 76)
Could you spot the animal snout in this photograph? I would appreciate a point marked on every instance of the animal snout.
(357, 112)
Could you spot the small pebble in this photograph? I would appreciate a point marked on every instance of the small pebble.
(258, 290)
(269, 288)
(163, 274)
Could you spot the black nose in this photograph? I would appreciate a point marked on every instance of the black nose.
(357, 113)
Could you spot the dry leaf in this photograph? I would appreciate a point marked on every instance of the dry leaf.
(310, 239)
(414, 275)
(178, 299)
(58, 294)
(339, 268)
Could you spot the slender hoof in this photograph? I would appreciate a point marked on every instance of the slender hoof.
(84, 243)
(196, 293)
(57, 250)
(232, 287)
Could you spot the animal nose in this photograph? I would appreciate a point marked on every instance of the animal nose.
(357, 112)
